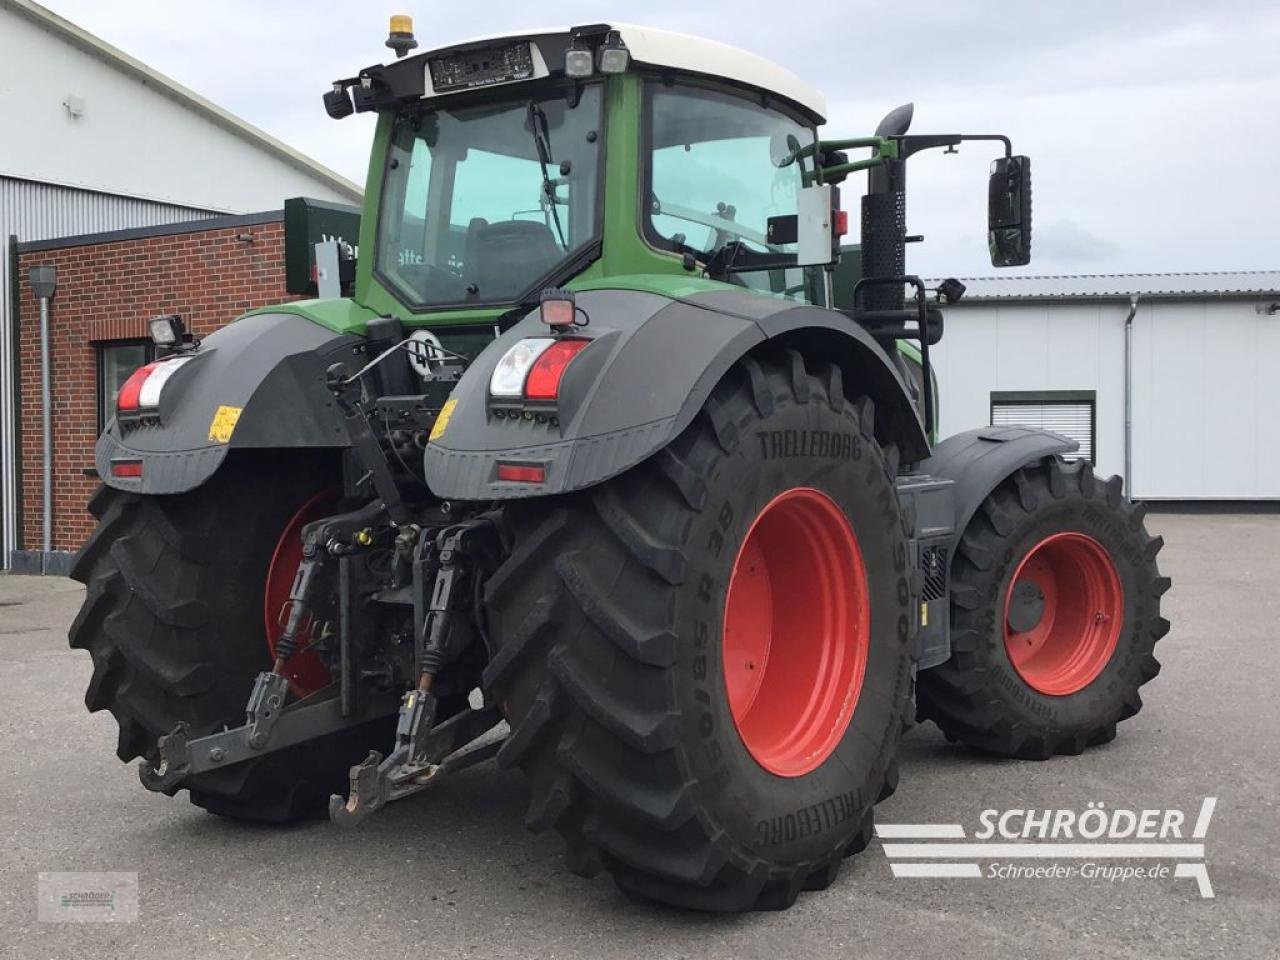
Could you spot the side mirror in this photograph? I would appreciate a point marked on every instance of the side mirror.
(1009, 212)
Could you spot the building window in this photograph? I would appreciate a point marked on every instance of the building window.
(116, 362)
(1072, 413)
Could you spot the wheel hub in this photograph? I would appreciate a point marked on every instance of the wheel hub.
(796, 632)
(1026, 606)
(1063, 613)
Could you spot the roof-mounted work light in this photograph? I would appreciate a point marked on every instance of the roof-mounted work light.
(578, 61)
(337, 102)
(613, 56)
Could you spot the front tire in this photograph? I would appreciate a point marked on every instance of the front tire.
(1055, 612)
(173, 618)
(646, 744)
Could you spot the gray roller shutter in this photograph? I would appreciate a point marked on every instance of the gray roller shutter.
(1070, 413)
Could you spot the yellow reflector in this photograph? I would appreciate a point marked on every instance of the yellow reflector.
(401, 23)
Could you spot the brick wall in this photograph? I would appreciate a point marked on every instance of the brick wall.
(108, 291)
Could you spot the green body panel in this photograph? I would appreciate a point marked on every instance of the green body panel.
(664, 284)
(341, 314)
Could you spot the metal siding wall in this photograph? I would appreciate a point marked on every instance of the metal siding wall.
(1034, 346)
(1205, 406)
(40, 211)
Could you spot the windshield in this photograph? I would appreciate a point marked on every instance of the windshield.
(719, 169)
(480, 204)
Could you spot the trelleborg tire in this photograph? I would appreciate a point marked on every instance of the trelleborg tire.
(173, 618)
(1055, 611)
(647, 740)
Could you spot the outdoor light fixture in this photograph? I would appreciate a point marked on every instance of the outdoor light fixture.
(533, 368)
(578, 61)
(951, 290)
(613, 54)
(401, 38)
(507, 379)
(337, 102)
(140, 395)
(557, 308)
(167, 331)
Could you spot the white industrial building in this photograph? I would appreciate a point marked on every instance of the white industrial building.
(95, 140)
(1165, 379)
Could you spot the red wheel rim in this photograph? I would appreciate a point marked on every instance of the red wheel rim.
(1073, 583)
(305, 670)
(797, 629)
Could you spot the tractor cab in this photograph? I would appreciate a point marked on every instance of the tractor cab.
(505, 166)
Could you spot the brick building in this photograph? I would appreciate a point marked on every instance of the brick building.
(101, 141)
(109, 286)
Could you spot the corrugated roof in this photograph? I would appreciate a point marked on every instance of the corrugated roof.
(1111, 286)
(116, 57)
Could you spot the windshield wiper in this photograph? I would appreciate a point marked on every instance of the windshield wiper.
(538, 123)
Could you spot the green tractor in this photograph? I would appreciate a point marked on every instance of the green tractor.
(616, 466)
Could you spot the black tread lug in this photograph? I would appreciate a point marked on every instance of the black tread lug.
(533, 549)
(645, 730)
(640, 787)
(833, 381)
(693, 489)
(536, 623)
(865, 410)
(548, 705)
(801, 388)
(649, 645)
(761, 392)
(666, 561)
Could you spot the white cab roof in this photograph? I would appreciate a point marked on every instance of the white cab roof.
(681, 51)
(650, 46)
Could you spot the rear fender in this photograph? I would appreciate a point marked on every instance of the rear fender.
(650, 369)
(258, 382)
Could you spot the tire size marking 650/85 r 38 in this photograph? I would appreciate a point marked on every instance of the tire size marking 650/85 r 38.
(702, 634)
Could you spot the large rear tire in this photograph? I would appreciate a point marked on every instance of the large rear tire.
(648, 742)
(1055, 611)
(173, 618)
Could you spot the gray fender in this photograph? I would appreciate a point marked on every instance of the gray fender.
(978, 461)
(270, 367)
(652, 365)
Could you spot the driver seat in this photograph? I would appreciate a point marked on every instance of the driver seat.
(502, 259)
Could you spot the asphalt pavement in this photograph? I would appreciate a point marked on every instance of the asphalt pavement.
(453, 873)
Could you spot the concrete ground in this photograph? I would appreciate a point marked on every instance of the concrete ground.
(454, 874)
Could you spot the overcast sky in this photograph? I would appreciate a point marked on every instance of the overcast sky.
(1153, 127)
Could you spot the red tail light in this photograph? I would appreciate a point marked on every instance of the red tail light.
(132, 389)
(522, 472)
(126, 468)
(543, 382)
